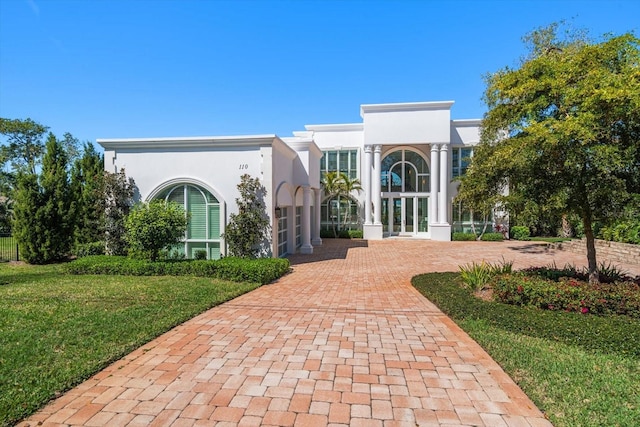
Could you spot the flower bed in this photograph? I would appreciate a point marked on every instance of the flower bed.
(568, 294)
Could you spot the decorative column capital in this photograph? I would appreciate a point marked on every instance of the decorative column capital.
(444, 147)
(434, 148)
(367, 148)
(377, 148)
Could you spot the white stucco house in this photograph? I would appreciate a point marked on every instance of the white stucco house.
(405, 156)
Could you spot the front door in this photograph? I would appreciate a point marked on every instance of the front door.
(405, 215)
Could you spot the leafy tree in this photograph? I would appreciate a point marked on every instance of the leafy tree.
(563, 129)
(151, 227)
(118, 194)
(25, 145)
(44, 210)
(87, 182)
(336, 185)
(247, 233)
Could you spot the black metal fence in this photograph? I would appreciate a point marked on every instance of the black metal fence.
(8, 248)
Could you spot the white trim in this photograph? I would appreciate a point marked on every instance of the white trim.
(404, 106)
(189, 142)
(335, 127)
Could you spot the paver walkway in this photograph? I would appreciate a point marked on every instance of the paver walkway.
(343, 340)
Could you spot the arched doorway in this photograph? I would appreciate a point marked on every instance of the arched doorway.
(405, 194)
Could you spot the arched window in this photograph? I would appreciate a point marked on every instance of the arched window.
(203, 230)
(404, 171)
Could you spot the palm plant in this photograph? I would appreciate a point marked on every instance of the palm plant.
(349, 186)
(335, 185)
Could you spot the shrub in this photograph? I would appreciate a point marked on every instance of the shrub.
(200, 254)
(355, 234)
(248, 231)
(154, 226)
(476, 275)
(261, 270)
(326, 234)
(463, 236)
(608, 273)
(520, 232)
(342, 234)
(623, 232)
(87, 249)
(492, 237)
(568, 294)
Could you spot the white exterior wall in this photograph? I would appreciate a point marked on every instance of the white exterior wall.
(289, 165)
(415, 123)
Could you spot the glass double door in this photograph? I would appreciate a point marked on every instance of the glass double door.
(405, 215)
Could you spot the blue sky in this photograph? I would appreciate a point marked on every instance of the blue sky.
(142, 68)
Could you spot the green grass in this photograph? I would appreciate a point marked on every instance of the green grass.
(56, 330)
(550, 239)
(580, 370)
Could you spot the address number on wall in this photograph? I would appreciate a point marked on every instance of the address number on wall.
(244, 166)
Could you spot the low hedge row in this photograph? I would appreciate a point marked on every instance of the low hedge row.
(486, 237)
(342, 234)
(262, 270)
(615, 334)
(568, 294)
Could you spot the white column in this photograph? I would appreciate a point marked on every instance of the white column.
(306, 247)
(376, 185)
(444, 184)
(434, 175)
(366, 167)
(316, 240)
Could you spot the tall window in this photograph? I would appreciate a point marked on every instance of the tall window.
(341, 212)
(345, 161)
(462, 218)
(404, 171)
(283, 232)
(203, 230)
(460, 159)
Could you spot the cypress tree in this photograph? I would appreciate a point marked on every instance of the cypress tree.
(57, 213)
(26, 227)
(87, 187)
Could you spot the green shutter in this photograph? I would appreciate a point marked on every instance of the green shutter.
(214, 222)
(197, 207)
(214, 250)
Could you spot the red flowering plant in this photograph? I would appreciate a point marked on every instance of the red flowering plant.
(568, 294)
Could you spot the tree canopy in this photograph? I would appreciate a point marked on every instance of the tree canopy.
(563, 129)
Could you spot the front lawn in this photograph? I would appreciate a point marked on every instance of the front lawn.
(56, 330)
(581, 370)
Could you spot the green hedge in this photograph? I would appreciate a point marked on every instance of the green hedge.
(464, 237)
(615, 334)
(342, 234)
(492, 237)
(88, 249)
(262, 270)
(520, 232)
(486, 237)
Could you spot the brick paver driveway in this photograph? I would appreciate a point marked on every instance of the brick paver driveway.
(343, 340)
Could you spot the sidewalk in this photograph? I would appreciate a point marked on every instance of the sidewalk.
(342, 340)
